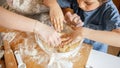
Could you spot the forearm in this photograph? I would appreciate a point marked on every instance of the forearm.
(14, 21)
(50, 3)
(108, 37)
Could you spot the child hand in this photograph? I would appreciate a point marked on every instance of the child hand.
(68, 38)
(57, 17)
(73, 20)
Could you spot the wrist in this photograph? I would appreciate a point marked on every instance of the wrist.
(37, 27)
(86, 32)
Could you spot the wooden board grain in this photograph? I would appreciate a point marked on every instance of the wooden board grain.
(84, 54)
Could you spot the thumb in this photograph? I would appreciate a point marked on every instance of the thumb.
(64, 21)
(68, 14)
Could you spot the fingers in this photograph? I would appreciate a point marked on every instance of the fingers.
(66, 39)
(76, 19)
(69, 17)
(61, 24)
(57, 23)
(50, 42)
(54, 40)
(65, 35)
(64, 21)
(80, 24)
(53, 21)
(68, 14)
(57, 40)
(73, 20)
(57, 18)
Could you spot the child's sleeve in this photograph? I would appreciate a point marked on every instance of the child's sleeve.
(112, 19)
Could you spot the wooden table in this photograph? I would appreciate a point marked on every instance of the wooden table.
(84, 53)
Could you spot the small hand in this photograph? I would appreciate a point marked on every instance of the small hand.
(73, 20)
(68, 38)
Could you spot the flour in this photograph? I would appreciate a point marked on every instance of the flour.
(28, 48)
(57, 59)
(30, 51)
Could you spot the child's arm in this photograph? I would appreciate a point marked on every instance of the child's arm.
(14, 21)
(56, 14)
(108, 37)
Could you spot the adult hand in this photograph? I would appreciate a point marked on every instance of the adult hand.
(48, 34)
(57, 17)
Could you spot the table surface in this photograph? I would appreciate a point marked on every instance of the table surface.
(79, 64)
(84, 53)
(102, 60)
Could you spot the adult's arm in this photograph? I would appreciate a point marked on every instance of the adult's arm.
(14, 21)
